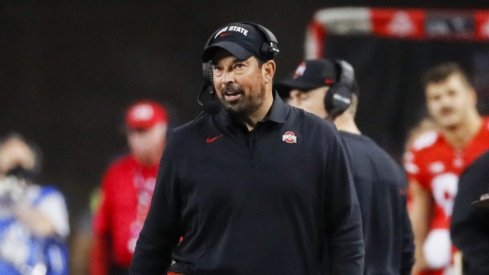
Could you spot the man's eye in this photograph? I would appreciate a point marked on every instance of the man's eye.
(217, 71)
(239, 65)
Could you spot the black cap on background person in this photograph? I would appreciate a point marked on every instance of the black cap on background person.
(309, 75)
(327, 84)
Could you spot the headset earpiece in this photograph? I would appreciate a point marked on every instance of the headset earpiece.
(339, 96)
(270, 47)
(210, 104)
(207, 73)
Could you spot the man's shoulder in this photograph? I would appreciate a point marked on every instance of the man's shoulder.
(191, 135)
(364, 146)
(425, 141)
(121, 161)
(485, 126)
(198, 123)
(300, 117)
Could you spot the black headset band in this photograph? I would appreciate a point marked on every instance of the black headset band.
(339, 96)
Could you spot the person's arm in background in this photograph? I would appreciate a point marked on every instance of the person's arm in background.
(99, 261)
(420, 215)
(45, 213)
(470, 225)
(345, 239)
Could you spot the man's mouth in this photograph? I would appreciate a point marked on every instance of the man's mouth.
(446, 111)
(231, 94)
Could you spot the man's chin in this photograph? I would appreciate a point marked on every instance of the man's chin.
(449, 124)
(232, 105)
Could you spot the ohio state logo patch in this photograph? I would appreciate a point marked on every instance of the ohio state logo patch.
(289, 137)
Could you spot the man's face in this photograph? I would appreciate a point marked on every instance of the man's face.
(147, 144)
(239, 84)
(450, 101)
(311, 101)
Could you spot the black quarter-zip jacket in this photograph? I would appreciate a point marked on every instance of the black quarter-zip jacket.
(269, 201)
(380, 184)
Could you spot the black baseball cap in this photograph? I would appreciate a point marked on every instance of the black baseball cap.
(242, 40)
(309, 75)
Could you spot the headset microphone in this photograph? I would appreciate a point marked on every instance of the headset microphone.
(210, 105)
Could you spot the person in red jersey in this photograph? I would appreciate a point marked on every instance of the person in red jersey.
(127, 189)
(435, 160)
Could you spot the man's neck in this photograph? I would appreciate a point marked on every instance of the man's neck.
(251, 120)
(461, 135)
(345, 122)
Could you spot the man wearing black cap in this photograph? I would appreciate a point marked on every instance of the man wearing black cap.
(258, 187)
(328, 89)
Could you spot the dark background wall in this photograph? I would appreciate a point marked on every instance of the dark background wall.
(69, 69)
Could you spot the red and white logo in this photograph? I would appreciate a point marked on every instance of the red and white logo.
(289, 137)
(401, 25)
(484, 29)
(300, 70)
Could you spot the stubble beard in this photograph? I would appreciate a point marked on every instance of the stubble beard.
(248, 104)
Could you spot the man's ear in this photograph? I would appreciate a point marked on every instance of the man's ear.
(268, 70)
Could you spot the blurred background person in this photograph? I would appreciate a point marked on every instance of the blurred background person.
(435, 160)
(127, 189)
(425, 125)
(470, 223)
(328, 89)
(33, 219)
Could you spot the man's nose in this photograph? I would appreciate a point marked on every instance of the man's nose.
(445, 100)
(228, 77)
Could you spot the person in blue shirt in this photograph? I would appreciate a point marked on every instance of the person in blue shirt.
(33, 218)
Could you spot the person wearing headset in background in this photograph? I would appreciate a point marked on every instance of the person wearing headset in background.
(437, 158)
(34, 222)
(247, 186)
(328, 89)
(127, 188)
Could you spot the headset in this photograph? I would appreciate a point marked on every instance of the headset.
(269, 50)
(339, 96)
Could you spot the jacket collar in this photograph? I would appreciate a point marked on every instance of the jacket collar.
(277, 113)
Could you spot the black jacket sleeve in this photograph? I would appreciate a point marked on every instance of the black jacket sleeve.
(343, 218)
(160, 232)
(470, 225)
(407, 253)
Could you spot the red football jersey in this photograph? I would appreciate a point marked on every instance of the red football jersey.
(436, 166)
(126, 193)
